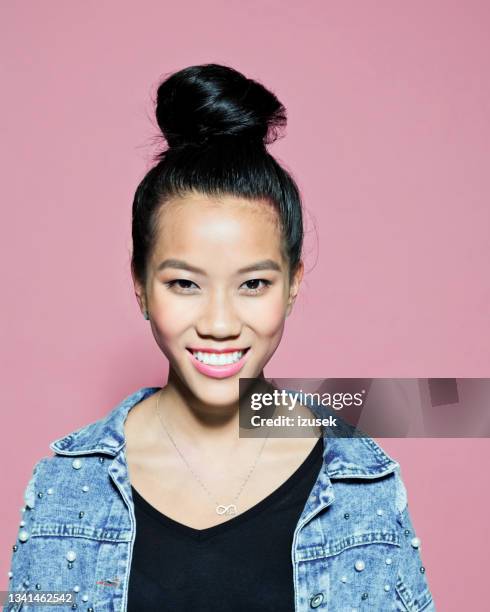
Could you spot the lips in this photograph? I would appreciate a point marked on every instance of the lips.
(219, 371)
(215, 350)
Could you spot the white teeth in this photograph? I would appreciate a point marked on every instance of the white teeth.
(218, 358)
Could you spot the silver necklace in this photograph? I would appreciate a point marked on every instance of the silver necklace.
(219, 508)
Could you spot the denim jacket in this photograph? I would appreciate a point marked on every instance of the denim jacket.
(354, 547)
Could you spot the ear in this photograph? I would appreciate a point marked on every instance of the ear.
(139, 291)
(294, 289)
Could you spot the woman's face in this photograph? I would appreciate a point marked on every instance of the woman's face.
(217, 281)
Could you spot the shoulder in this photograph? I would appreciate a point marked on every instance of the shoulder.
(362, 470)
(105, 435)
(86, 447)
(357, 456)
(53, 474)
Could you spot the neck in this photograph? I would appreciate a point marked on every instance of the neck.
(199, 424)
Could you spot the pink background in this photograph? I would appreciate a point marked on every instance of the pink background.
(389, 141)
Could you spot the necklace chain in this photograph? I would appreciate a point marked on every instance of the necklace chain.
(220, 508)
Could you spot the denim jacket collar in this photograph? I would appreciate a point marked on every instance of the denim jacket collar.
(355, 457)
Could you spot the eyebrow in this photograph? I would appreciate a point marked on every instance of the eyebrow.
(266, 264)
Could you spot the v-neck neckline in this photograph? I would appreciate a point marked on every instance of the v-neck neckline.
(213, 530)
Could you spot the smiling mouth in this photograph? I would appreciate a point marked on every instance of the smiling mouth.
(216, 351)
(218, 358)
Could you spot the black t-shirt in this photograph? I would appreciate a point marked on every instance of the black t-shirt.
(243, 564)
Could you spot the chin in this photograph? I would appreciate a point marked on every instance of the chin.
(217, 393)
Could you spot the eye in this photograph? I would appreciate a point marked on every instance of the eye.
(171, 283)
(255, 290)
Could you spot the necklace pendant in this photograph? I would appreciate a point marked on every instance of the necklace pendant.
(229, 510)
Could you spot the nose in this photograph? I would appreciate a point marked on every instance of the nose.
(219, 318)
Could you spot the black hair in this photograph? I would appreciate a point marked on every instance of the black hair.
(217, 123)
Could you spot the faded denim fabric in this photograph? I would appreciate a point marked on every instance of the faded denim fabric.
(353, 547)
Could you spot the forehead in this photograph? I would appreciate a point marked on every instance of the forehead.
(197, 222)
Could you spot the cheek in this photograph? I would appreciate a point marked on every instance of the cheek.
(266, 317)
(169, 321)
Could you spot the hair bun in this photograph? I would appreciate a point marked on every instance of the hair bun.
(201, 102)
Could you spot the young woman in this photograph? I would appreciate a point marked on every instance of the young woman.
(161, 505)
